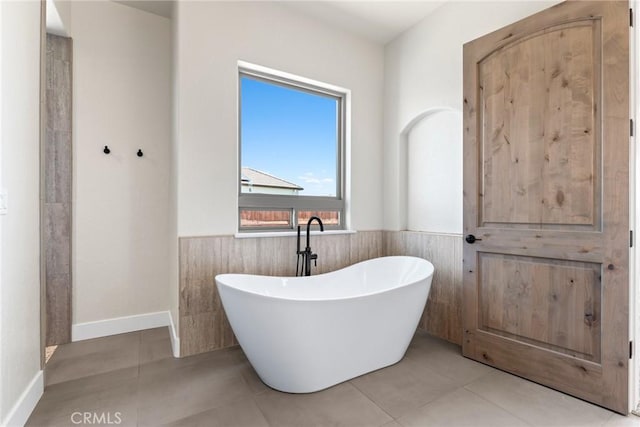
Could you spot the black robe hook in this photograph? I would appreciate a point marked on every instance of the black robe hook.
(106, 149)
(139, 153)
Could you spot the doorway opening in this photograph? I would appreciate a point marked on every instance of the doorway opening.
(56, 184)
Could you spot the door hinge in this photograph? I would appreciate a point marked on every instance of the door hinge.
(630, 349)
(630, 238)
(631, 17)
(631, 127)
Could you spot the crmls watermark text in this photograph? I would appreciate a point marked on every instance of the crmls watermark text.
(96, 418)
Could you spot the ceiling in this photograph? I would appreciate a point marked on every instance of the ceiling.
(158, 7)
(379, 21)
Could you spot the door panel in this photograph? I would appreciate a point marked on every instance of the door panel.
(553, 304)
(541, 150)
(546, 155)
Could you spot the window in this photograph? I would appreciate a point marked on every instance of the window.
(291, 135)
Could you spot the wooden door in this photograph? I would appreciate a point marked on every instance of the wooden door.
(546, 173)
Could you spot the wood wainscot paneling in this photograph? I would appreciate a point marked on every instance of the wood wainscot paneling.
(203, 323)
(442, 316)
(57, 166)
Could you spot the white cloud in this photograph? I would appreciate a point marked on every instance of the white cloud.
(317, 186)
(309, 178)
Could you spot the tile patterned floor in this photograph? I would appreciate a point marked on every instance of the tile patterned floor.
(132, 379)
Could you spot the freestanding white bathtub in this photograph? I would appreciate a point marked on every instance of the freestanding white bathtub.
(304, 334)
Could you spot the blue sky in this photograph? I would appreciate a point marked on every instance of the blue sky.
(290, 134)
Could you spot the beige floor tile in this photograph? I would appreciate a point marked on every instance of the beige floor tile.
(404, 386)
(109, 393)
(426, 343)
(92, 346)
(96, 356)
(341, 405)
(188, 390)
(155, 344)
(92, 383)
(136, 376)
(445, 358)
(126, 419)
(622, 421)
(536, 404)
(161, 333)
(219, 361)
(244, 413)
(246, 371)
(460, 408)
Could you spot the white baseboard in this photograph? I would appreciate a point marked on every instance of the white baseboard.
(26, 403)
(175, 340)
(119, 325)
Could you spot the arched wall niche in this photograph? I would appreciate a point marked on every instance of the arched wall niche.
(431, 172)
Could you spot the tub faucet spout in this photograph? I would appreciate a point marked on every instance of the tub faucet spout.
(307, 254)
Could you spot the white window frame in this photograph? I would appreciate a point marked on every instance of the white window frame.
(290, 202)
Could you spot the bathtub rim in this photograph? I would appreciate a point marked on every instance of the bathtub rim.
(317, 300)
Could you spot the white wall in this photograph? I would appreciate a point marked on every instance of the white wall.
(59, 17)
(20, 243)
(174, 297)
(212, 37)
(122, 98)
(434, 173)
(423, 71)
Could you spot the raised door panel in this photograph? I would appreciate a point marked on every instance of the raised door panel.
(540, 140)
(545, 302)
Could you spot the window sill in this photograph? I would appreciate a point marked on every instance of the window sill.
(289, 233)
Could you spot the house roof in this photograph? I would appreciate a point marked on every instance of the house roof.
(262, 179)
